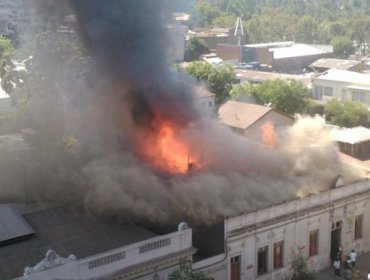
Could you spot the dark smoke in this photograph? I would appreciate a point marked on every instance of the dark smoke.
(128, 40)
(103, 112)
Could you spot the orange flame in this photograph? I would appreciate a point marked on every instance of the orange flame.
(167, 151)
(269, 136)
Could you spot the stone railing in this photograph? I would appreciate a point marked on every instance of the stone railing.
(120, 258)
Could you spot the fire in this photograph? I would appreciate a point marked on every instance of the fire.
(269, 136)
(166, 150)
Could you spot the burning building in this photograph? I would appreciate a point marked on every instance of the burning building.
(133, 130)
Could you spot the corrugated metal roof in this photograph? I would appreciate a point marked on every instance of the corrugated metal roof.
(12, 224)
(342, 64)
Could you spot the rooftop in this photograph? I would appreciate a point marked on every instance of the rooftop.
(342, 64)
(297, 50)
(345, 76)
(351, 135)
(67, 230)
(201, 92)
(240, 114)
(261, 76)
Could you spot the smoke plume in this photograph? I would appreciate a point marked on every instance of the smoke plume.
(107, 118)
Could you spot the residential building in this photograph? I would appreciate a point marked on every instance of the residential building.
(259, 243)
(253, 76)
(353, 141)
(342, 85)
(32, 236)
(324, 64)
(206, 100)
(250, 119)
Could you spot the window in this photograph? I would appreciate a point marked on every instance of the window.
(358, 226)
(314, 243)
(328, 91)
(278, 254)
(210, 104)
(358, 96)
(318, 92)
(262, 260)
(235, 268)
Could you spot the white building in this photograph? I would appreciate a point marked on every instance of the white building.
(259, 243)
(342, 85)
(32, 236)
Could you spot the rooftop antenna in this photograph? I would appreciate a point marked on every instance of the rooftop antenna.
(239, 31)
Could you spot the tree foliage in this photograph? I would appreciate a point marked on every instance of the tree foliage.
(184, 273)
(299, 20)
(299, 269)
(342, 46)
(346, 114)
(289, 96)
(218, 78)
(194, 48)
(244, 91)
(6, 48)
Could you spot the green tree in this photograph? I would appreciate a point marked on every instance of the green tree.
(194, 48)
(342, 46)
(184, 273)
(306, 30)
(218, 78)
(204, 12)
(244, 91)
(289, 96)
(299, 269)
(360, 28)
(346, 114)
(6, 48)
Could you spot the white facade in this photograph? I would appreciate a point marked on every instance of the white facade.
(329, 219)
(151, 259)
(342, 85)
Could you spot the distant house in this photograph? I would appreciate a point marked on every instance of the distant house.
(206, 100)
(324, 64)
(249, 119)
(342, 85)
(252, 76)
(353, 141)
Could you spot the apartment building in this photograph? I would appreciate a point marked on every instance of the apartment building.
(342, 85)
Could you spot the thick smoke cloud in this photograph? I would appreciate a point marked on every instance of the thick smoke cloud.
(123, 100)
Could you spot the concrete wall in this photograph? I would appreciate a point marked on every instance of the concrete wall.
(291, 223)
(277, 120)
(229, 52)
(341, 90)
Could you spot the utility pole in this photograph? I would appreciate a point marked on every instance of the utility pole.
(239, 31)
